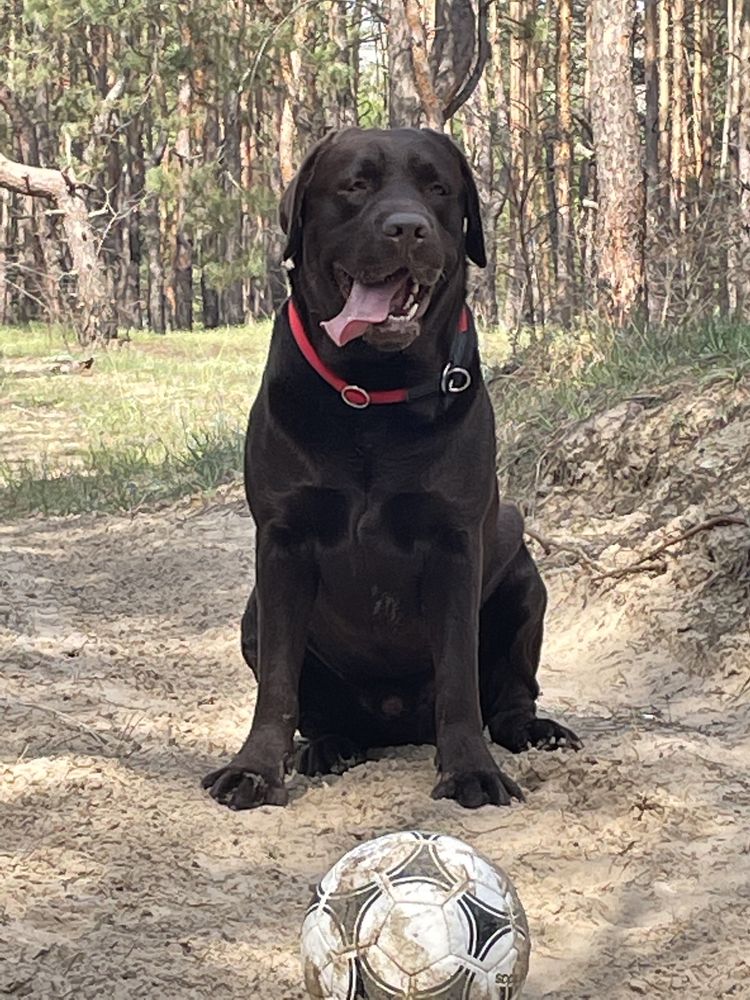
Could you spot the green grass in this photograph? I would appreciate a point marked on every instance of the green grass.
(572, 375)
(158, 418)
(164, 417)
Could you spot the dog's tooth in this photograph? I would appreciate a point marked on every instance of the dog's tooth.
(413, 311)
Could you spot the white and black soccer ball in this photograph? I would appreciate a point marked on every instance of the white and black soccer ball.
(418, 916)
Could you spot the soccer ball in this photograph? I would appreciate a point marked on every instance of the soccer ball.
(418, 916)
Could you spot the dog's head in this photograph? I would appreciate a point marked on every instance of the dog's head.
(378, 225)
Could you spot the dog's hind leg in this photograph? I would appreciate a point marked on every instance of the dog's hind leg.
(328, 717)
(333, 727)
(511, 626)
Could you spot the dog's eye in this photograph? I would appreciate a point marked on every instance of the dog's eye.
(359, 184)
(438, 189)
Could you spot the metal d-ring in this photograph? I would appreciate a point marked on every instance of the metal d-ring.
(454, 379)
(364, 400)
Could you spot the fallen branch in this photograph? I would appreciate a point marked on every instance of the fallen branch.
(550, 544)
(30, 706)
(645, 563)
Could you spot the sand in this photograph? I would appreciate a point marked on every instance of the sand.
(122, 683)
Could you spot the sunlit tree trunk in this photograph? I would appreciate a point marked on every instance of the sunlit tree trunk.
(182, 260)
(678, 118)
(135, 183)
(209, 242)
(742, 262)
(563, 159)
(619, 234)
(652, 68)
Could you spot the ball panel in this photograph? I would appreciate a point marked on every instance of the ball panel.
(445, 977)
(327, 963)
(371, 920)
(321, 936)
(415, 936)
(384, 972)
(355, 870)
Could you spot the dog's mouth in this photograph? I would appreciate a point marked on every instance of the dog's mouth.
(385, 310)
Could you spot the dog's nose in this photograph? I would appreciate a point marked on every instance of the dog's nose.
(406, 226)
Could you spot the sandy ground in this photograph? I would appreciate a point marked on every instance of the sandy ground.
(122, 683)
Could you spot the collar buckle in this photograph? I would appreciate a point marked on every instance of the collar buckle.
(454, 379)
(356, 397)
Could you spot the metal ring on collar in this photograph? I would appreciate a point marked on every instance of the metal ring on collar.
(454, 379)
(357, 404)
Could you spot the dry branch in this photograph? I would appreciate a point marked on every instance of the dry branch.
(645, 563)
(96, 319)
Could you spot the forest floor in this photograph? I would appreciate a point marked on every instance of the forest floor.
(122, 683)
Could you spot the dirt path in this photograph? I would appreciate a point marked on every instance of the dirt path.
(122, 683)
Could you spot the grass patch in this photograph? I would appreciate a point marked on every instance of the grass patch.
(158, 418)
(127, 479)
(573, 375)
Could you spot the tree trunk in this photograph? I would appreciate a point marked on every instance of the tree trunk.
(135, 181)
(654, 275)
(428, 98)
(182, 261)
(152, 241)
(478, 136)
(678, 119)
(209, 239)
(4, 258)
(94, 315)
(232, 309)
(619, 234)
(563, 159)
(705, 167)
(404, 108)
(520, 301)
(154, 263)
(345, 47)
(664, 105)
(742, 264)
(588, 185)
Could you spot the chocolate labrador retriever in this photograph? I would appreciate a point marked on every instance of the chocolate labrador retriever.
(395, 601)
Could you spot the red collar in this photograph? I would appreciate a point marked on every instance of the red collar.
(453, 378)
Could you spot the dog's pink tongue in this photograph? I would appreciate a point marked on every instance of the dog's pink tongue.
(366, 304)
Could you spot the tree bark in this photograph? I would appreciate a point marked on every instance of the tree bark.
(428, 98)
(404, 108)
(209, 239)
(182, 261)
(232, 310)
(619, 234)
(742, 264)
(678, 119)
(653, 70)
(135, 182)
(345, 46)
(563, 160)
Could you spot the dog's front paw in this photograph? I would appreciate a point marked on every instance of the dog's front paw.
(471, 789)
(240, 787)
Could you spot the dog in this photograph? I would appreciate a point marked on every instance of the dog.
(395, 601)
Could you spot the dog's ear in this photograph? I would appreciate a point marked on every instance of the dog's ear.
(474, 232)
(292, 202)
